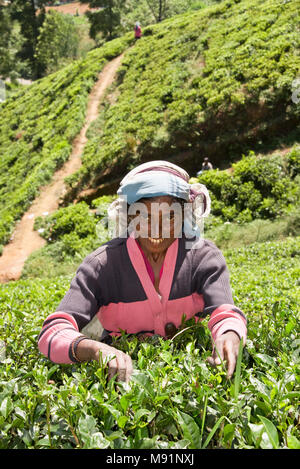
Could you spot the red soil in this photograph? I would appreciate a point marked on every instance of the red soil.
(71, 8)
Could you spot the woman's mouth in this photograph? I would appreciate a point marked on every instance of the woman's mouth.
(156, 241)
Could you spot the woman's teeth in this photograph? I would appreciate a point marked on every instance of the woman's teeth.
(156, 240)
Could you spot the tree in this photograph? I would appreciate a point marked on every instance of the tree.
(107, 18)
(152, 11)
(158, 9)
(58, 40)
(10, 44)
(30, 14)
(5, 43)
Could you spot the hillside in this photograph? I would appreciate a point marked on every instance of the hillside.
(38, 126)
(25, 240)
(214, 82)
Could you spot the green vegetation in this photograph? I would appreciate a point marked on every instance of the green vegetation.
(107, 18)
(175, 400)
(10, 42)
(29, 16)
(38, 125)
(171, 100)
(258, 187)
(26, 30)
(232, 235)
(216, 82)
(115, 18)
(58, 41)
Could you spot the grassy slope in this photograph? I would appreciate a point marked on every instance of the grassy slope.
(38, 125)
(214, 82)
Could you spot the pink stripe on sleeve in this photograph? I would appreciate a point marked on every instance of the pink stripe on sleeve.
(223, 320)
(58, 331)
(60, 314)
(60, 345)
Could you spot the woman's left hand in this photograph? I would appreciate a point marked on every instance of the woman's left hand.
(226, 348)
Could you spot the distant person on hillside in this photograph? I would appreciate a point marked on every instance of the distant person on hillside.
(206, 166)
(137, 30)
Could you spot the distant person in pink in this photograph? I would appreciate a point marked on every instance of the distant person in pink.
(137, 31)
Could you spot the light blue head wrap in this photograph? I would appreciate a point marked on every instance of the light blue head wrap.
(152, 184)
(158, 178)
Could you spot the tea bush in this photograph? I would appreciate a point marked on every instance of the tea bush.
(213, 82)
(258, 187)
(38, 125)
(72, 230)
(174, 400)
(75, 219)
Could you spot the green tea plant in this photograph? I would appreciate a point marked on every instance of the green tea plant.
(71, 233)
(213, 82)
(174, 400)
(262, 187)
(38, 125)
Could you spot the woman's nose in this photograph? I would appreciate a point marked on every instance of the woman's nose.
(156, 227)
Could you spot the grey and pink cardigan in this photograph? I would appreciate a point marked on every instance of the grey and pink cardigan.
(114, 283)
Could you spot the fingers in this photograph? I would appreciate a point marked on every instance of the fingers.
(120, 365)
(211, 361)
(217, 355)
(124, 367)
(112, 368)
(231, 357)
(225, 350)
(129, 368)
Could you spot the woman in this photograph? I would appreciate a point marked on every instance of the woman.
(137, 30)
(144, 280)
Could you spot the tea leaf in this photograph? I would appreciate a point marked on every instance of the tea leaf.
(271, 431)
(6, 407)
(190, 429)
(237, 378)
(213, 431)
(293, 442)
(143, 380)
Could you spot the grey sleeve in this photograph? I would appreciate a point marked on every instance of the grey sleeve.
(83, 298)
(213, 280)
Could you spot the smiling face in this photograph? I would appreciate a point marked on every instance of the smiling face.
(157, 222)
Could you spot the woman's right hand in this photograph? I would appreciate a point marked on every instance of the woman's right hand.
(120, 364)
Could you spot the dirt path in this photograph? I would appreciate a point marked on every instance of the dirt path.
(72, 8)
(24, 239)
